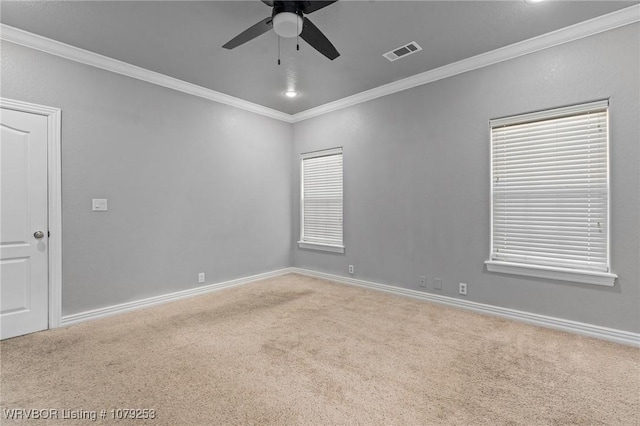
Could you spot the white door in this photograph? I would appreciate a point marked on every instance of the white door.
(23, 225)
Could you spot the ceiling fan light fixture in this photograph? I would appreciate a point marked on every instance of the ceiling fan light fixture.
(288, 20)
(291, 93)
(287, 24)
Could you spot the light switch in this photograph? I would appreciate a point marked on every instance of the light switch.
(99, 204)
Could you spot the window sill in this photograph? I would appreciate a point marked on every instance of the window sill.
(321, 247)
(587, 277)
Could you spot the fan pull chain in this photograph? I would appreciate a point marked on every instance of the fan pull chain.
(278, 50)
(298, 36)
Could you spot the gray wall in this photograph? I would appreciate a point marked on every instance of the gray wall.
(416, 179)
(193, 186)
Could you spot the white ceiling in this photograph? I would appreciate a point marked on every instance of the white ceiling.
(183, 40)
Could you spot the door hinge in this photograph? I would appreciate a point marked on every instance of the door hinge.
(48, 234)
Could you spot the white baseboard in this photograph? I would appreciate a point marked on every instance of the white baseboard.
(165, 298)
(618, 336)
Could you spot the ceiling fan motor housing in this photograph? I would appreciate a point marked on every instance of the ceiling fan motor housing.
(287, 19)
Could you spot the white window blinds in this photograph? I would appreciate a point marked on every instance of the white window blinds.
(550, 188)
(321, 198)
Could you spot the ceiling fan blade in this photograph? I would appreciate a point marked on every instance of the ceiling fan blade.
(308, 7)
(250, 33)
(268, 2)
(312, 35)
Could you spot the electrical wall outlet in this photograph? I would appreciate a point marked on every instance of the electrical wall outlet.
(99, 204)
(422, 282)
(463, 289)
(201, 277)
(351, 269)
(437, 284)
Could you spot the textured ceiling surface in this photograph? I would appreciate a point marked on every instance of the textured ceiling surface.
(183, 39)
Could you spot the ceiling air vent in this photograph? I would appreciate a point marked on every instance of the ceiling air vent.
(402, 51)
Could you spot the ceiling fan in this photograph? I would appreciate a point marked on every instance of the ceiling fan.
(288, 20)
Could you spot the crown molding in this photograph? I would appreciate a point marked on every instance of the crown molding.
(574, 32)
(53, 47)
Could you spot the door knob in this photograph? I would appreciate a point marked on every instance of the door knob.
(38, 234)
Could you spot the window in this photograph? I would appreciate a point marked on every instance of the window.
(550, 194)
(321, 201)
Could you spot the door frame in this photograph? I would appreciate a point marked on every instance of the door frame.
(54, 202)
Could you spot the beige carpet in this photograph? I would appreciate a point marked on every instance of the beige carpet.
(303, 351)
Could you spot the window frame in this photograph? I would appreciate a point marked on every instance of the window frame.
(545, 271)
(313, 245)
